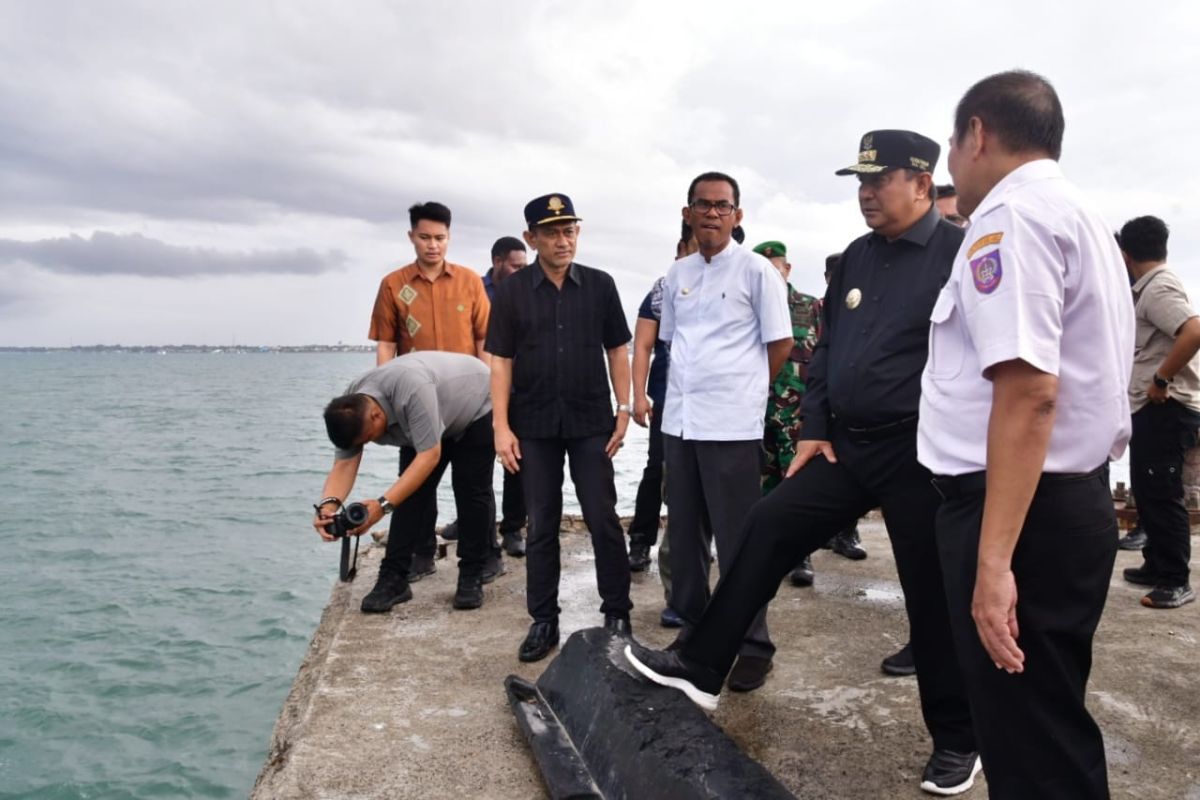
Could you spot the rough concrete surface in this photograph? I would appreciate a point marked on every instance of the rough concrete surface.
(411, 704)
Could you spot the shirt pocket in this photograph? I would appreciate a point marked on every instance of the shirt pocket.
(947, 345)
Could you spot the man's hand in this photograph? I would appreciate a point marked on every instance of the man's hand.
(322, 518)
(508, 449)
(617, 441)
(642, 411)
(806, 450)
(994, 609)
(1156, 395)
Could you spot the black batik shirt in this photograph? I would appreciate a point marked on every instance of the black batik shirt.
(557, 340)
(866, 370)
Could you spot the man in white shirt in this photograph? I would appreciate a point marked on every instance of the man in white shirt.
(725, 316)
(1023, 403)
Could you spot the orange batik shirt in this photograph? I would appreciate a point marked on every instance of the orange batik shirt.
(449, 313)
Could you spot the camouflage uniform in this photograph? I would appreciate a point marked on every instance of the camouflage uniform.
(782, 428)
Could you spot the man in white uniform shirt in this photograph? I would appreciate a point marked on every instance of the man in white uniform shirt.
(725, 315)
(1023, 403)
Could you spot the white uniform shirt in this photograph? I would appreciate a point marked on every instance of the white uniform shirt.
(1038, 278)
(718, 317)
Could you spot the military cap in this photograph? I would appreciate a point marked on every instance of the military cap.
(771, 249)
(549, 208)
(880, 151)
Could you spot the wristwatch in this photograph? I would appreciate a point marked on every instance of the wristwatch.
(1161, 382)
(385, 505)
(623, 407)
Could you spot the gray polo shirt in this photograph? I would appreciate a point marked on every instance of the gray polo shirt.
(1161, 306)
(428, 396)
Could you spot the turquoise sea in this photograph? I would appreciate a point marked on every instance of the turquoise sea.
(159, 580)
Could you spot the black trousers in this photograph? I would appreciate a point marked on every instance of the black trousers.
(1035, 734)
(647, 509)
(592, 475)
(512, 504)
(470, 459)
(799, 515)
(426, 536)
(1162, 435)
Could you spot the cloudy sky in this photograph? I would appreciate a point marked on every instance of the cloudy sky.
(214, 172)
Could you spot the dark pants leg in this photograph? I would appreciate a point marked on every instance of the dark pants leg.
(647, 509)
(1162, 435)
(407, 529)
(718, 485)
(1035, 734)
(426, 533)
(542, 480)
(471, 458)
(512, 504)
(592, 475)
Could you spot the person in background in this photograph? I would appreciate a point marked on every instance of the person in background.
(553, 326)
(430, 304)
(947, 205)
(1164, 396)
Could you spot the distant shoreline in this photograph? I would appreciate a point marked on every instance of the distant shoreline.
(165, 349)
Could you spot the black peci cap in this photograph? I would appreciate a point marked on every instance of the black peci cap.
(550, 208)
(880, 151)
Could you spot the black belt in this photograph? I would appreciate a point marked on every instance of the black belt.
(955, 486)
(876, 432)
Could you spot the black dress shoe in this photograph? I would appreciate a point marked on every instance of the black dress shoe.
(541, 639)
(390, 590)
(803, 574)
(618, 625)
(469, 593)
(900, 663)
(639, 557)
(1169, 597)
(1142, 576)
(950, 773)
(493, 567)
(667, 668)
(420, 567)
(1134, 540)
(749, 673)
(847, 545)
(670, 618)
(450, 531)
(514, 544)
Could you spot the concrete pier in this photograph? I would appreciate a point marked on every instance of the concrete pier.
(411, 704)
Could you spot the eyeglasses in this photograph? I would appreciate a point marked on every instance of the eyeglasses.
(723, 207)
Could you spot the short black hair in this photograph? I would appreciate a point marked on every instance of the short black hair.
(1144, 239)
(1020, 107)
(831, 262)
(345, 419)
(739, 235)
(505, 245)
(685, 232)
(434, 212)
(946, 190)
(715, 176)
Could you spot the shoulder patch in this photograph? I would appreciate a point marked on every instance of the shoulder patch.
(987, 272)
(991, 238)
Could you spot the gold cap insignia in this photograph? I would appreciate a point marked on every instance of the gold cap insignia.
(867, 155)
(853, 298)
(919, 163)
(556, 204)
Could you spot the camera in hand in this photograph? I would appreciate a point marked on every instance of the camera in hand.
(346, 520)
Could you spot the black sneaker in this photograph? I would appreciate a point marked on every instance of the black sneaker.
(420, 567)
(514, 544)
(639, 557)
(469, 593)
(1169, 597)
(1134, 540)
(670, 618)
(493, 567)
(749, 673)
(949, 773)
(667, 668)
(847, 545)
(900, 663)
(1142, 576)
(450, 532)
(803, 574)
(390, 590)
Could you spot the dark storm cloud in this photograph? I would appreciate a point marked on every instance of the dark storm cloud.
(133, 254)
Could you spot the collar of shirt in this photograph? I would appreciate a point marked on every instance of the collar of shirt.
(384, 403)
(1028, 172)
(726, 254)
(1143, 281)
(447, 270)
(919, 233)
(539, 274)
(487, 277)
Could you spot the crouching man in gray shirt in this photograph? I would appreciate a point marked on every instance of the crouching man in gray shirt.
(438, 404)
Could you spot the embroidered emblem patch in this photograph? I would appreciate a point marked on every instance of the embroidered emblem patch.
(991, 238)
(986, 271)
(407, 294)
(853, 298)
(412, 325)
